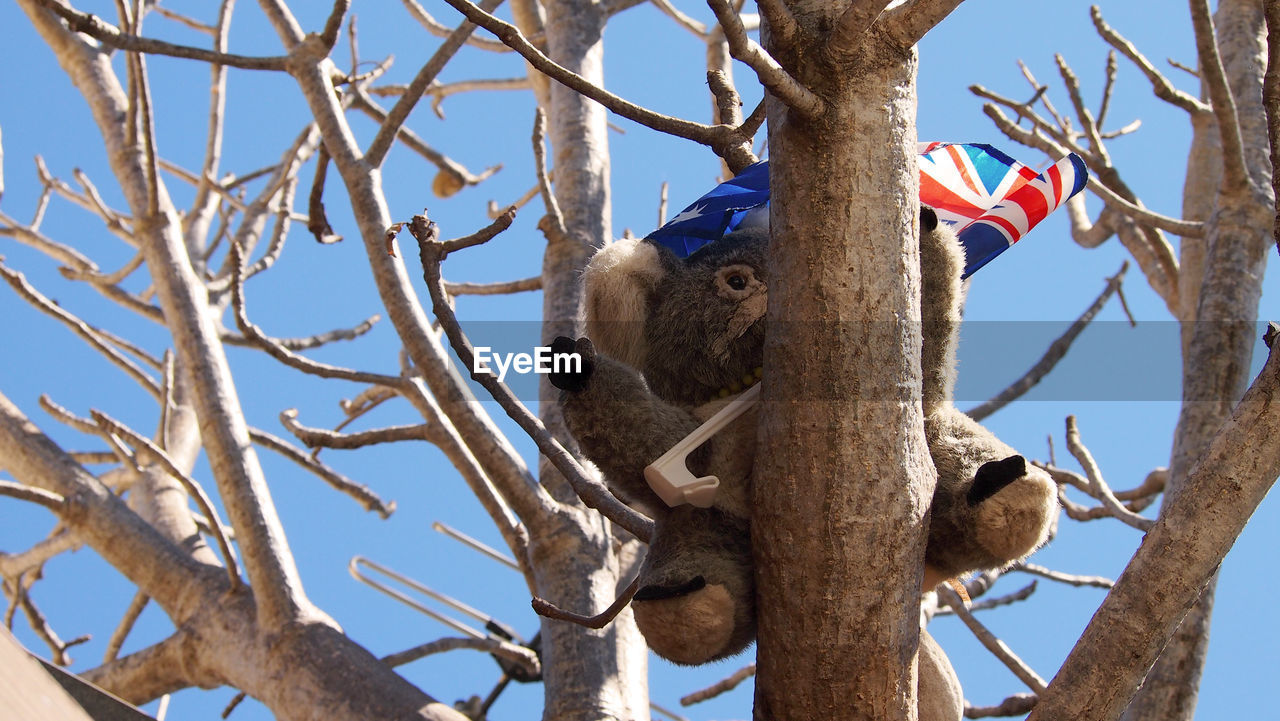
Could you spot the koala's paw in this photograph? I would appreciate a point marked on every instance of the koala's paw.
(689, 623)
(565, 376)
(1014, 504)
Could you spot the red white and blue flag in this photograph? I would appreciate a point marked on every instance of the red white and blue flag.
(989, 198)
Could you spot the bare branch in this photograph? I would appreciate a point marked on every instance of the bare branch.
(88, 333)
(400, 112)
(439, 29)
(1056, 352)
(184, 20)
(591, 491)
(321, 438)
(1196, 528)
(459, 176)
(329, 35)
(1184, 228)
(554, 217)
(39, 496)
(131, 615)
(1085, 117)
(1083, 232)
(987, 604)
(318, 224)
(772, 75)
(503, 649)
(150, 673)
(144, 445)
(511, 286)
(908, 22)
(722, 686)
(41, 626)
(545, 608)
(1015, 705)
(111, 35)
(1271, 100)
(782, 23)
(853, 23)
(509, 34)
(1067, 578)
(1108, 86)
(1234, 174)
(13, 565)
(1159, 83)
(360, 492)
(684, 21)
(1098, 486)
(279, 352)
(992, 644)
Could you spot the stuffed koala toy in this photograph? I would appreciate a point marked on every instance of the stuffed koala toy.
(670, 340)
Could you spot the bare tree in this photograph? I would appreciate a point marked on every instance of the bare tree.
(841, 110)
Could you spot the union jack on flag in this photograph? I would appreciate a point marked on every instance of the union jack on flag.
(989, 198)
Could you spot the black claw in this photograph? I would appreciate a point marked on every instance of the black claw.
(655, 593)
(572, 381)
(993, 476)
(928, 219)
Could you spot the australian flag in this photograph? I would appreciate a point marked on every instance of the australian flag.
(989, 198)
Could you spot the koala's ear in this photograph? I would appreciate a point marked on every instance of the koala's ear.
(619, 281)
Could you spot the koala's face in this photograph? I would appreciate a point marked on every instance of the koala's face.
(705, 329)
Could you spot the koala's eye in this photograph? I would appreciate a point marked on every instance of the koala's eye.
(736, 281)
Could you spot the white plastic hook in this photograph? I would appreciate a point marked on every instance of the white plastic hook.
(669, 476)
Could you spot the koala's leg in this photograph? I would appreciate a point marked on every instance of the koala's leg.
(621, 426)
(990, 507)
(696, 601)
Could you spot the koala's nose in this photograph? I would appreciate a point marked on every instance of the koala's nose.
(654, 592)
(995, 475)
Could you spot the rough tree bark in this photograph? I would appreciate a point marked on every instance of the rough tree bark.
(844, 478)
(1220, 283)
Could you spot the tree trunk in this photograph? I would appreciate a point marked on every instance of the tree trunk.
(1221, 285)
(843, 479)
(580, 565)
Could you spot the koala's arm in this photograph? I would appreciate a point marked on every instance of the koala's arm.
(942, 295)
(623, 427)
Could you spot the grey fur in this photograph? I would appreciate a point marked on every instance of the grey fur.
(703, 330)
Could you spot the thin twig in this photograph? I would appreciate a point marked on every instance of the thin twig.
(502, 288)
(1018, 704)
(111, 35)
(118, 636)
(439, 29)
(772, 75)
(503, 649)
(31, 494)
(1067, 578)
(143, 444)
(1056, 352)
(1108, 86)
(360, 492)
(1099, 488)
(987, 604)
(593, 493)
(547, 609)
(554, 217)
(318, 223)
(322, 438)
(991, 642)
(719, 687)
(41, 626)
(88, 333)
(400, 111)
(1159, 83)
(714, 136)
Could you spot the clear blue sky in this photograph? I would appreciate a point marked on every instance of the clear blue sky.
(1041, 284)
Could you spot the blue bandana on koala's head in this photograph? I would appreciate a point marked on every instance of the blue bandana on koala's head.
(990, 199)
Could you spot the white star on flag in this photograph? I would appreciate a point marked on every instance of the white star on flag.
(688, 214)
